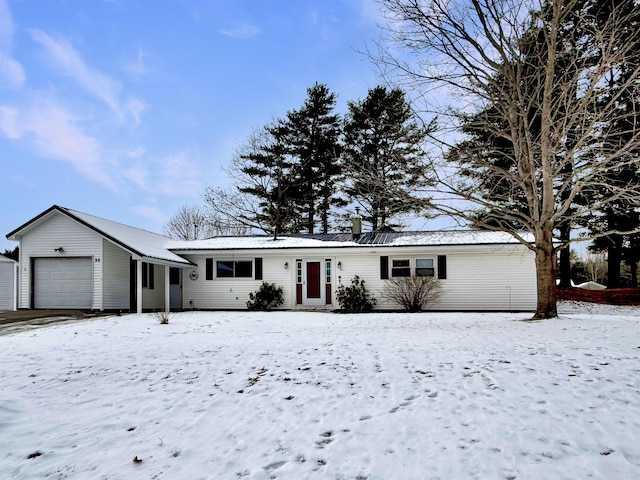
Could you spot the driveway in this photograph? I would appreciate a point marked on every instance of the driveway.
(12, 322)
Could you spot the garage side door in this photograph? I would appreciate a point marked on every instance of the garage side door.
(63, 283)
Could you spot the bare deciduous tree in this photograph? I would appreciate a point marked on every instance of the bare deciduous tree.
(196, 223)
(504, 54)
(264, 193)
(596, 266)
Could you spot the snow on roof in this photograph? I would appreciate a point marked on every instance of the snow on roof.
(458, 237)
(251, 242)
(155, 246)
(347, 240)
(143, 242)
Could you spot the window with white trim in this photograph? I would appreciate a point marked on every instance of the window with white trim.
(405, 267)
(425, 267)
(229, 268)
(400, 267)
(234, 268)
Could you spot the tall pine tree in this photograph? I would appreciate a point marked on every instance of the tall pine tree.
(618, 215)
(286, 173)
(383, 157)
(311, 138)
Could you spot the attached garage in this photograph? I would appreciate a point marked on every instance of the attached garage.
(63, 283)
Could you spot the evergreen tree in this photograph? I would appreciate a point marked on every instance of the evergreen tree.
(310, 136)
(383, 159)
(620, 214)
(265, 191)
(286, 173)
(13, 254)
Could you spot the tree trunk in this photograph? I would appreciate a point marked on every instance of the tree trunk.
(565, 257)
(614, 259)
(546, 278)
(310, 219)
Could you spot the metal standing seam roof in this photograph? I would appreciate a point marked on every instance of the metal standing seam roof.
(458, 237)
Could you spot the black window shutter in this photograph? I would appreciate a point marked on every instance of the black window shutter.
(258, 268)
(145, 275)
(151, 270)
(442, 267)
(209, 269)
(384, 268)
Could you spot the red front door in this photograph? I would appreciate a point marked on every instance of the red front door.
(313, 279)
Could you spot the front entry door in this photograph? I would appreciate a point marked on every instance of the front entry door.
(313, 283)
(313, 280)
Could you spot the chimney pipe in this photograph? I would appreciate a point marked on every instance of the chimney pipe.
(356, 224)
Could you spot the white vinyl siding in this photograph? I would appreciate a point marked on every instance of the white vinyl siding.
(501, 280)
(479, 277)
(233, 293)
(116, 276)
(153, 298)
(8, 283)
(76, 241)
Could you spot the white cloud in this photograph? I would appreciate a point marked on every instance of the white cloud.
(371, 11)
(174, 175)
(179, 175)
(136, 109)
(11, 72)
(137, 67)
(152, 213)
(138, 174)
(6, 26)
(54, 134)
(69, 63)
(136, 152)
(242, 30)
(322, 23)
(57, 136)
(9, 122)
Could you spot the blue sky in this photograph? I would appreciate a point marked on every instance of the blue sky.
(128, 109)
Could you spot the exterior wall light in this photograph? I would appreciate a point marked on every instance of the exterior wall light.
(286, 265)
(339, 265)
(59, 249)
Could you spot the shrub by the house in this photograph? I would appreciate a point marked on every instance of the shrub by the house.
(412, 293)
(162, 316)
(355, 297)
(268, 296)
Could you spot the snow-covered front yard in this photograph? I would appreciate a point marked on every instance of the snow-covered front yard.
(288, 395)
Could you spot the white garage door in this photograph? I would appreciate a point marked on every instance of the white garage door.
(63, 283)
